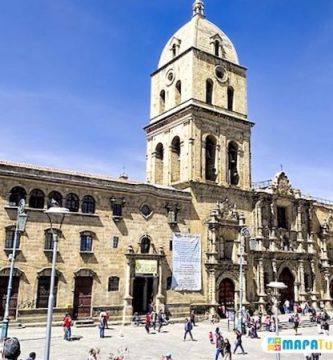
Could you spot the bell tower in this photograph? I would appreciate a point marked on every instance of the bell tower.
(199, 130)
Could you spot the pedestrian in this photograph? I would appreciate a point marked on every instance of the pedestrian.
(192, 317)
(239, 341)
(219, 346)
(147, 322)
(136, 319)
(153, 318)
(92, 354)
(11, 349)
(167, 356)
(211, 337)
(296, 323)
(161, 320)
(316, 356)
(227, 350)
(32, 356)
(101, 324)
(67, 324)
(326, 328)
(188, 329)
(286, 306)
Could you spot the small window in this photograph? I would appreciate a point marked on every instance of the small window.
(169, 282)
(10, 236)
(117, 205)
(113, 283)
(170, 245)
(55, 196)
(145, 210)
(282, 217)
(16, 194)
(162, 101)
(37, 199)
(178, 92)
(72, 202)
(48, 242)
(217, 48)
(86, 242)
(117, 210)
(230, 98)
(145, 245)
(115, 242)
(209, 91)
(88, 205)
(233, 164)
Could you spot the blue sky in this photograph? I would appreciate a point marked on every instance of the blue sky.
(75, 82)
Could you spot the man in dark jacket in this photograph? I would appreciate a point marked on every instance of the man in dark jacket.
(188, 328)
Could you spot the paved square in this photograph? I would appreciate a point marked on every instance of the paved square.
(144, 346)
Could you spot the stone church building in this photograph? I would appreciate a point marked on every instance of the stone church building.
(115, 247)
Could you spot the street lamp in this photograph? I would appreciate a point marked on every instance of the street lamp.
(21, 221)
(54, 212)
(276, 286)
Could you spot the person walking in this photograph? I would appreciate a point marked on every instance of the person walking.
(11, 349)
(101, 324)
(316, 356)
(296, 323)
(67, 324)
(148, 322)
(188, 329)
(219, 346)
(227, 350)
(326, 328)
(239, 342)
(32, 356)
(192, 317)
(153, 318)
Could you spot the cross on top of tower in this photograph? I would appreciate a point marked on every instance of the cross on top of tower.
(198, 8)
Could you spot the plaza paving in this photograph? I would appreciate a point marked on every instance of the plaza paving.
(141, 345)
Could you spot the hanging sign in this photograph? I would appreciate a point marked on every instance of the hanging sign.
(186, 271)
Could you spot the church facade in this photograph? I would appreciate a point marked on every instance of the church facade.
(116, 245)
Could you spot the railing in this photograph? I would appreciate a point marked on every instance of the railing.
(261, 184)
(319, 200)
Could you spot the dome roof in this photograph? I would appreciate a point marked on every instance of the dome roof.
(201, 34)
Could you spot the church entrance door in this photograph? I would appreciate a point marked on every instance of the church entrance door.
(288, 293)
(142, 293)
(227, 293)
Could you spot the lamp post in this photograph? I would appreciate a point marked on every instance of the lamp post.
(53, 212)
(276, 286)
(21, 221)
(245, 233)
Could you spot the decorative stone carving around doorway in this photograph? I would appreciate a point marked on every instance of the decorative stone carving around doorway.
(227, 211)
(281, 185)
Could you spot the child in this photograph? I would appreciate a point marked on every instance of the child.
(211, 337)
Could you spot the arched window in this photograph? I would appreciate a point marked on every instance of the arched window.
(169, 282)
(88, 204)
(217, 48)
(72, 202)
(210, 158)
(162, 101)
(159, 156)
(56, 196)
(113, 284)
(37, 199)
(175, 159)
(178, 92)
(145, 245)
(174, 50)
(86, 241)
(209, 91)
(232, 166)
(16, 194)
(230, 98)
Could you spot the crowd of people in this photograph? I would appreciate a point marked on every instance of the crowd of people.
(249, 326)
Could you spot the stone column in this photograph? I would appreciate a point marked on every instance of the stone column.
(160, 298)
(128, 298)
(259, 224)
(302, 293)
(262, 293)
(190, 163)
(314, 292)
(273, 237)
(300, 240)
(327, 297)
(203, 160)
(274, 269)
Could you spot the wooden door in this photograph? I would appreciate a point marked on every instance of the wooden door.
(227, 293)
(82, 297)
(43, 291)
(13, 296)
